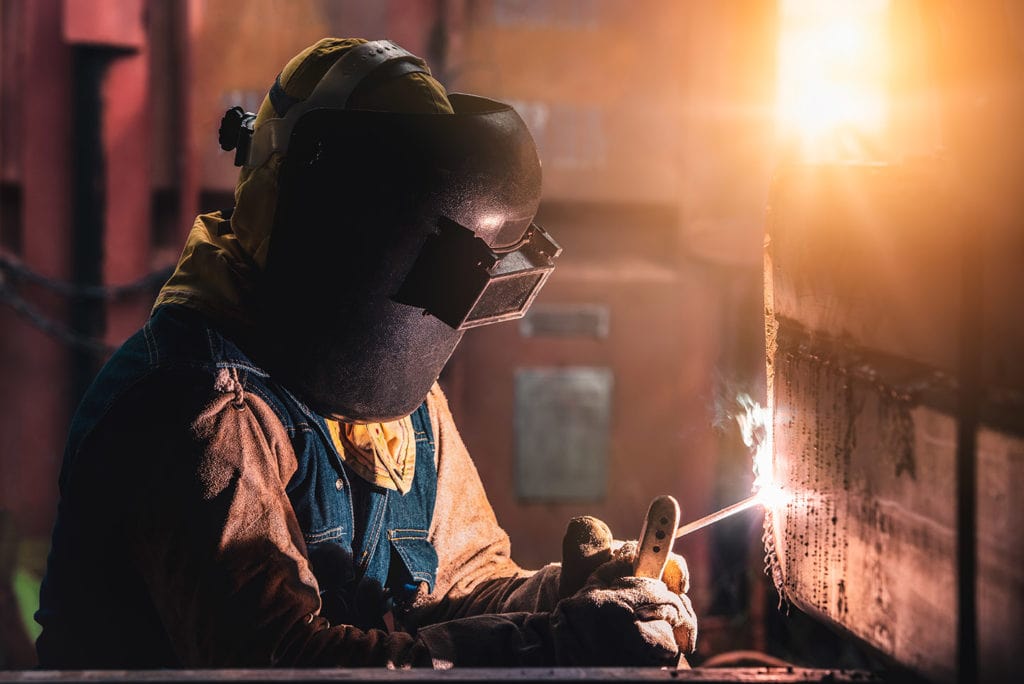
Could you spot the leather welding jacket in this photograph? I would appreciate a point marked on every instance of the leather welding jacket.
(206, 520)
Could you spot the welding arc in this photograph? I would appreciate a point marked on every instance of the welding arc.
(726, 512)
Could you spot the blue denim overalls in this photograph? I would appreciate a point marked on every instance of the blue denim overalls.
(367, 545)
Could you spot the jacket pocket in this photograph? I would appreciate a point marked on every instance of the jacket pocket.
(417, 553)
(318, 493)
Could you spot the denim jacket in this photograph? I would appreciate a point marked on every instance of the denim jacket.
(207, 520)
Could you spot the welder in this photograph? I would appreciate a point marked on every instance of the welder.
(267, 473)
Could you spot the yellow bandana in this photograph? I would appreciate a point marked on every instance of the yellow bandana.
(383, 454)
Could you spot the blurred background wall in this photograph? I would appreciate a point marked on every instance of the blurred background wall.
(658, 127)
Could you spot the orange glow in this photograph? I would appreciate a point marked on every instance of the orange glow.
(833, 63)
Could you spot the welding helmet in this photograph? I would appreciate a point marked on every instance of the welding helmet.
(393, 234)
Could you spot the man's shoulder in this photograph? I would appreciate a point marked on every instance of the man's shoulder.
(171, 369)
(179, 337)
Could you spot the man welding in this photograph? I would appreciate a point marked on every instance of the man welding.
(267, 474)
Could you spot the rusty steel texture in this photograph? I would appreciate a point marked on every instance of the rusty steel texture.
(865, 300)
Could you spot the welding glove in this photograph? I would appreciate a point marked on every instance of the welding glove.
(615, 618)
(588, 544)
(603, 615)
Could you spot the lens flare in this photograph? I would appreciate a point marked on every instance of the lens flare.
(833, 75)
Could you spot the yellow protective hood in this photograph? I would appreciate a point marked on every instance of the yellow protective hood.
(222, 261)
(220, 267)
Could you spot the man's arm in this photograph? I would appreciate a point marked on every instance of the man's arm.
(476, 573)
(219, 547)
(514, 617)
(221, 553)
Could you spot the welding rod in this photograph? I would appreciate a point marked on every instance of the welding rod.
(700, 523)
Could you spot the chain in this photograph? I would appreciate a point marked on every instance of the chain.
(58, 331)
(18, 271)
(12, 271)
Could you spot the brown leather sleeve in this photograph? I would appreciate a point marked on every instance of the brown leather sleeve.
(220, 549)
(476, 574)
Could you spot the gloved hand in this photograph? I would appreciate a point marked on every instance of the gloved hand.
(602, 615)
(609, 617)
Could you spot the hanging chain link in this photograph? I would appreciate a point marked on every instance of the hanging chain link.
(12, 271)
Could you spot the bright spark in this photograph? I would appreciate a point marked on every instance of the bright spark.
(756, 429)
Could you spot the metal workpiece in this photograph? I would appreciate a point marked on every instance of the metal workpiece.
(868, 308)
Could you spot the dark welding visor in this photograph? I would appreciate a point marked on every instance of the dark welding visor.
(466, 283)
(435, 209)
(393, 233)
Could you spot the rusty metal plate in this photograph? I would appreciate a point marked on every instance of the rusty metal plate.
(866, 297)
(562, 427)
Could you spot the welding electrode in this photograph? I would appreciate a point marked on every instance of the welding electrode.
(656, 536)
(726, 512)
